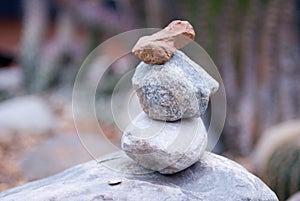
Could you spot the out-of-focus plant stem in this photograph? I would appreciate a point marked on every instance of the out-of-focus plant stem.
(34, 28)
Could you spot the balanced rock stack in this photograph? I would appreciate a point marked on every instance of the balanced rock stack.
(169, 136)
(174, 92)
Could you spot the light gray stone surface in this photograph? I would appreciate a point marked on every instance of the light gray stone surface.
(180, 88)
(167, 147)
(10, 78)
(215, 178)
(26, 113)
(59, 153)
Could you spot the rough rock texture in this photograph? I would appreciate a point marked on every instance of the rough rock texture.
(215, 178)
(26, 113)
(167, 147)
(159, 47)
(178, 89)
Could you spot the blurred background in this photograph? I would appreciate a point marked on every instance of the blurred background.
(254, 43)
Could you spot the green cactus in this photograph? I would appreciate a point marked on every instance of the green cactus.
(282, 172)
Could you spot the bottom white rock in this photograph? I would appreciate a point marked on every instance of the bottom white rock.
(167, 147)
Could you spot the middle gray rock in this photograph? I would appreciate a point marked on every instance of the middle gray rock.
(178, 89)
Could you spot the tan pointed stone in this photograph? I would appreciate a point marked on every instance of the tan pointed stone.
(159, 47)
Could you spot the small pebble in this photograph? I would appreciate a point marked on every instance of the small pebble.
(114, 181)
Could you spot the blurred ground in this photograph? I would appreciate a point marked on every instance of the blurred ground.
(25, 156)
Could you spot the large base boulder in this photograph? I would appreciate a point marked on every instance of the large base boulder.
(117, 177)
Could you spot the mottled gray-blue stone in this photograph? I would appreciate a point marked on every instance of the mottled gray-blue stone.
(214, 178)
(180, 88)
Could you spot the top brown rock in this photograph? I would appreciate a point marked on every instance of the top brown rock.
(159, 47)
